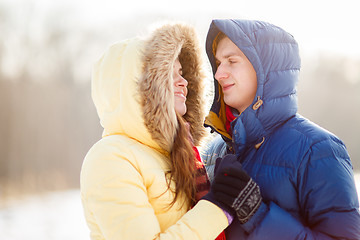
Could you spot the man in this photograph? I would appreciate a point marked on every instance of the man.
(304, 173)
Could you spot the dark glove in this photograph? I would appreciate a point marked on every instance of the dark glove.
(233, 187)
(229, 212)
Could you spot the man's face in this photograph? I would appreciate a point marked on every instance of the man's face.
(235, 74)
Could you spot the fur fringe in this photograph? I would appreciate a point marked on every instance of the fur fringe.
(156, 85)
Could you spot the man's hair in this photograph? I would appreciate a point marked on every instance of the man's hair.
(220, 36)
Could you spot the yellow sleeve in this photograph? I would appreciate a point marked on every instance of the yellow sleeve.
(116, 201)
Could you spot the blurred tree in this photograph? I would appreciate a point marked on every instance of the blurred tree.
(329, 96)
(48, 120)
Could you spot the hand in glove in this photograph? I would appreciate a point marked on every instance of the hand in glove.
(229, 212)
(233, 187)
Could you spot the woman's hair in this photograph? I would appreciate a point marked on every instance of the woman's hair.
(183, 164)
(175, 134)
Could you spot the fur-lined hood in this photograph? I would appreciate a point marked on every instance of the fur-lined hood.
(132, 86)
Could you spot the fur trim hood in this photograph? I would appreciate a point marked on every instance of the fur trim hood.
(132, 86)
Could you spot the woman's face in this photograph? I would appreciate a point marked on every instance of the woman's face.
(180, 89)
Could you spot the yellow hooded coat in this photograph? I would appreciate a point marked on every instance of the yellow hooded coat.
(124, 187)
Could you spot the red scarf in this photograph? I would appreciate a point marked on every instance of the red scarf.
(229, 118)
(203, 184)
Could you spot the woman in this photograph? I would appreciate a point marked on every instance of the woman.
(139, 180)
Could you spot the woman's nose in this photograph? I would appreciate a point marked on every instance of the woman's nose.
(181, 81)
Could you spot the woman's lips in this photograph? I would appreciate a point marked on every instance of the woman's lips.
(180, 95)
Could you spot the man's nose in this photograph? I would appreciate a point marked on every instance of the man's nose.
(221, 73)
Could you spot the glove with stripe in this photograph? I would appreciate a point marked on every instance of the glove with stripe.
(233, 187)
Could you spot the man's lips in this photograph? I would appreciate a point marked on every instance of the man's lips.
(227, 86)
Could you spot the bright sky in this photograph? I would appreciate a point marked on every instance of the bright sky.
(316, 24)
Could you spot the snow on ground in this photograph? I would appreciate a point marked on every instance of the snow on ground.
(53, 216)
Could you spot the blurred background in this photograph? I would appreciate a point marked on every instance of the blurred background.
(48, 120)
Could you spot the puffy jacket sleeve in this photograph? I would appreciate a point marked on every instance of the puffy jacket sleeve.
(116, 202)
(214, 149)
(326, 195)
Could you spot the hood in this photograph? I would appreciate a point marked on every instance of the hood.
(132, 86)
(275, 57)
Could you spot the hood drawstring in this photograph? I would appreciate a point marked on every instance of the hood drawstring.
(258, 145)
(256, 106)
(258, 103)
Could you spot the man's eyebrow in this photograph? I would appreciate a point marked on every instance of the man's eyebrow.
(231, 54)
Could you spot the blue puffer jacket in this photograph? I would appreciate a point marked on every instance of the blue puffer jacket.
(304, 172)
